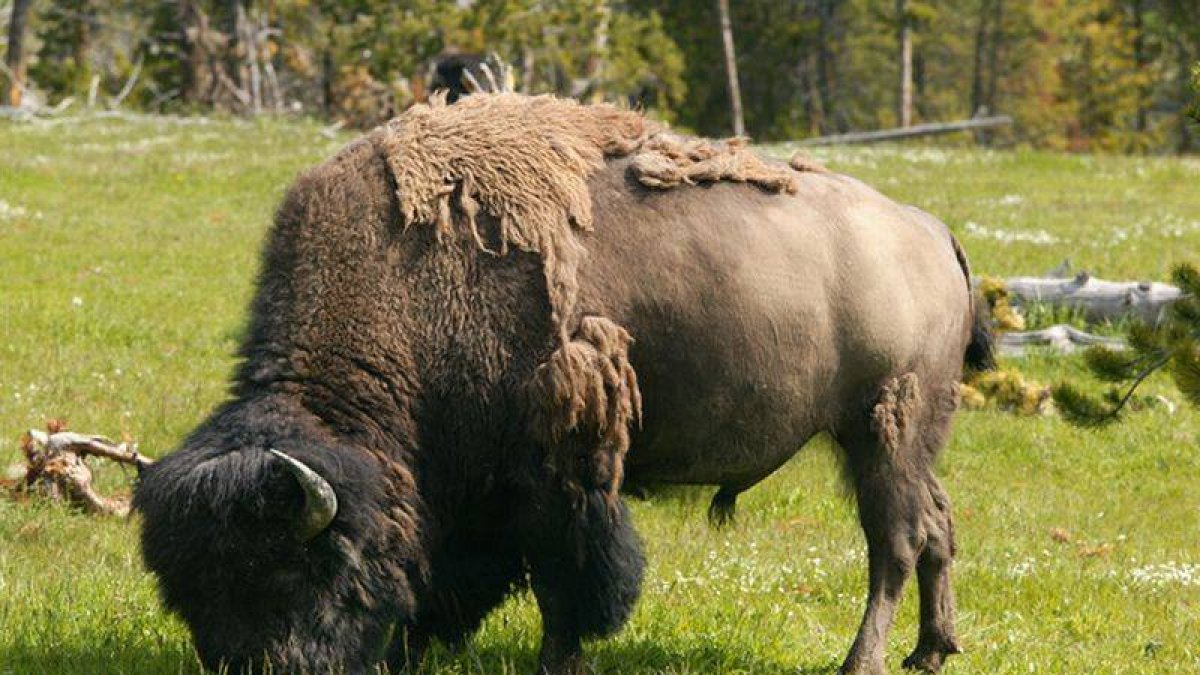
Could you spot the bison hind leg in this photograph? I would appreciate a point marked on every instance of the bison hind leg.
(905, 516)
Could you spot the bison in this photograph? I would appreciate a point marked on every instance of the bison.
(475, 324)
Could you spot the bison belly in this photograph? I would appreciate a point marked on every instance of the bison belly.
(758, 319)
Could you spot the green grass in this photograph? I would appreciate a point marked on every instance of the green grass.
(127, 253)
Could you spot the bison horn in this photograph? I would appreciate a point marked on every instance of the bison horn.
(320, 501)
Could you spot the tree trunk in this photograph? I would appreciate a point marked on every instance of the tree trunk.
(599, 56)
(735, 92)
(826, 16)
(981, 35)
(1140, 60)
(927, 129)
(1060, 338)
(1185, 94)
(816, 101)
(15, 58)
(251, 80)
(918, 75)
(528, 72)
(327, 81)
(81, 49)
(192, 26)
(904, 35)
(993, 65)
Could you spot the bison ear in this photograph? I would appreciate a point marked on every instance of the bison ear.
(320, 501)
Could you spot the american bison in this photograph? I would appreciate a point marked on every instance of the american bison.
(478, 321)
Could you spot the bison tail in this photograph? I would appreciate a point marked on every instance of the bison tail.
(981, 350)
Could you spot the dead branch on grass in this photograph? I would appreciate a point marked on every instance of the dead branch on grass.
(56, 467)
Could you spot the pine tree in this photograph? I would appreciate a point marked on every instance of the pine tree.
(67, 34)
(1172, 344)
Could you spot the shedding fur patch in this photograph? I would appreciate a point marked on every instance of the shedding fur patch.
(893, 416)
(668, 160)
(526, 161)
(523, 160)
(584, 399)
(805, 164)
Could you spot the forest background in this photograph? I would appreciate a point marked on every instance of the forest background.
(1078, 75)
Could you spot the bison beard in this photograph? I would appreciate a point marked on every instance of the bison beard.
(443, 338)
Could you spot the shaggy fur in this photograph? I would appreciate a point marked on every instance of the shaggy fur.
(803, 163)
(236, 508)
(588, 392)
(892, 418)
(524, 161)
(476, 413)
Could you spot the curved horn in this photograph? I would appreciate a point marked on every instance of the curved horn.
(320, 501)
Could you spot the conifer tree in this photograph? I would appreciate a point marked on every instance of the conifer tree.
(1173, 345)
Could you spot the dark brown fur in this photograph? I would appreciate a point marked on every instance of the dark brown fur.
(476, 440)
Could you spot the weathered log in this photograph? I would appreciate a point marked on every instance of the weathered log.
(56, 467)
(909, 132)
(90, 444)
(1062, 338)
(1098, 299)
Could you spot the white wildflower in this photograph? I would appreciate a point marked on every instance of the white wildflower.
(1165, 574)
(1037, 237)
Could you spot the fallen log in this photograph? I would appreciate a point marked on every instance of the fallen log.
(909, 132)
(1062, 338)
(1098, 299)
(56, 467)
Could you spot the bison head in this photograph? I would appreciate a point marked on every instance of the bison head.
(267, 539)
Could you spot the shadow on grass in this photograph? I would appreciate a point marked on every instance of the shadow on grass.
(99, 659)
(638, 656)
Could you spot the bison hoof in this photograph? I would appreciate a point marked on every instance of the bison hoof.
(929, 658)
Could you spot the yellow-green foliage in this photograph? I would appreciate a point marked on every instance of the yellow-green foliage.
(1004, 316)
(1006, 389)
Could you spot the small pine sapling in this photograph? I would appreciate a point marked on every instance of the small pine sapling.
(1172, 344)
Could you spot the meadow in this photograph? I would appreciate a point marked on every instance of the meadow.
(127, 255)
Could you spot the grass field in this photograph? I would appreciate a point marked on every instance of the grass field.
(127, 252)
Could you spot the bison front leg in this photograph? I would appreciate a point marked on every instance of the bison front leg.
(466, 581)
(585, 559)
(586, 574)
(407, 649)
